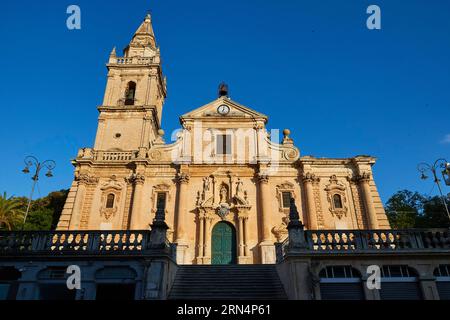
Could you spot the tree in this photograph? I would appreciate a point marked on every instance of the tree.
(10, 212)
(407, 209)
(404, 208)
(45, 212)
(434, 214)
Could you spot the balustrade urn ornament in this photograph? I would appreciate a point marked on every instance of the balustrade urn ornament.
(286, 138)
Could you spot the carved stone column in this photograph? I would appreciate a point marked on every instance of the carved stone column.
(308, 180)
(266, 245)
(138, 180)
(81, 218)
(371, 214)
(77, 207)
(241, 236)
(180, 235)
(243, 257)
(207, 252)
(201, 238)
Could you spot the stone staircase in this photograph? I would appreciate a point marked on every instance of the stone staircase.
(242, 282)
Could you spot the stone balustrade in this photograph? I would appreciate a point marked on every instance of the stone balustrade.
(360, 241)
(114, 155)
(117, 156)
(134, 60)
(78, 242)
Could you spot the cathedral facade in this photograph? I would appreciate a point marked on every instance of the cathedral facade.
(225, 185)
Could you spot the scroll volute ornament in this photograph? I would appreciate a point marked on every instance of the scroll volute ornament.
(336, 191)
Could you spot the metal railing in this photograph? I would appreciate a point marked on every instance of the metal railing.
(77, 242)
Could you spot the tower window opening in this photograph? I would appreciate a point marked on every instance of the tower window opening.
(130, 93)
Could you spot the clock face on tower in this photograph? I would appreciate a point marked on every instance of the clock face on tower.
(223, 109)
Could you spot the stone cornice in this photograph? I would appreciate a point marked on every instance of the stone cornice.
(310, 160)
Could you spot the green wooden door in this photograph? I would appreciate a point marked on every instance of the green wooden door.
(223, 244)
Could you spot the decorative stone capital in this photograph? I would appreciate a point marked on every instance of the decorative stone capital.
(263, 178)
(258, 126)
(136, 178)
(242, 215)
(183, 177)
(86, 179)
(309, 177)
(364, 177)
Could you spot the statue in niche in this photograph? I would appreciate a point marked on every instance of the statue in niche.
(223, 194)
(206, 184)
(238, 186)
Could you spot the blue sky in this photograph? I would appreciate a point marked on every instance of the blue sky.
(311, 66)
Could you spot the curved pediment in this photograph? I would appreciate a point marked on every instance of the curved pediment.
(232, 110)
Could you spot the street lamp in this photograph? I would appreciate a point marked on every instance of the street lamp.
(438, 164)
(31, 161)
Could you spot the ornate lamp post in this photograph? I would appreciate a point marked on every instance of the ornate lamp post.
(31, 161)
(438, 164)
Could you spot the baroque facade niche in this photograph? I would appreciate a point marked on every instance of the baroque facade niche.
(110, 199)
(221, 195)
(336, 197)
(284, 193)
(158, 189)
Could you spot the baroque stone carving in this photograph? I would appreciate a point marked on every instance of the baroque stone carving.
(309, 177)
(111, 187)
(336, 197)
(216, 196)
(284, 187)
(363, 177)
(136, 178)
(263, 178)
(183, 177)
(87, 179)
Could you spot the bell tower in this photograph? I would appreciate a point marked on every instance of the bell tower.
(130, 115)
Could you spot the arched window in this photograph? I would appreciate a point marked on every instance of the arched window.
(110, 200)
(340, 283)
(337, 201)
(399, 282)
(115, 283)
(8, 283)
(442, 274)
(52, 284)
(130, 93)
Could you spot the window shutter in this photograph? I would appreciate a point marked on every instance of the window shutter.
(443, 288)
(341, 291)
(400, 291)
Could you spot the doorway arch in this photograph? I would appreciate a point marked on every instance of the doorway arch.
(223, 248)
